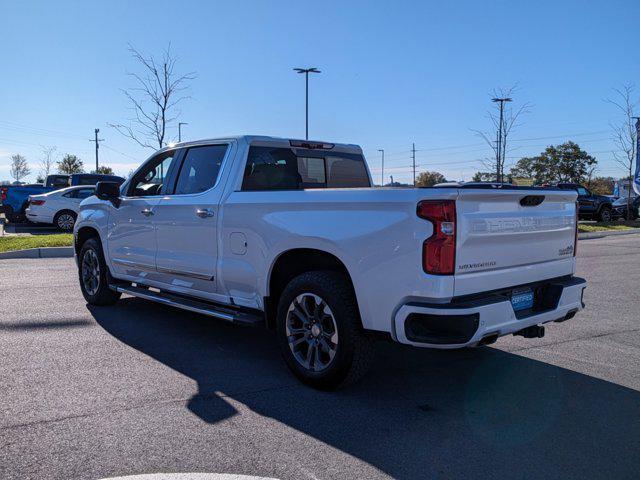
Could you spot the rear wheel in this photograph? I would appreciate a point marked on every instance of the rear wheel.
(94, 275)
(65, 220)
(319, 332)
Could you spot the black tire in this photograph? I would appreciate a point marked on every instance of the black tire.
(102, 295)
(605, 214)
(354, 349)
(61, 220)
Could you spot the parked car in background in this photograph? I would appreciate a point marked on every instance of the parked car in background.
(590, 205)
(291, 234)
(59, 207)
(620, 208)
(13, 198)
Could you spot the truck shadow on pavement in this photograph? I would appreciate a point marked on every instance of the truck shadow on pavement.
(418, 414)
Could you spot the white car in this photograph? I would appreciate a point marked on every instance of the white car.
(59, 207)
(291, 234)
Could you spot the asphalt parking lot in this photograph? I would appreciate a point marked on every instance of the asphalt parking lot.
(140, 388)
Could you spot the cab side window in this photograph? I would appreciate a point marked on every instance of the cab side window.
(200, 169)
(152, 178)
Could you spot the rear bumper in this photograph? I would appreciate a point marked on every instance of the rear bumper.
(37, 217)
(466, 323)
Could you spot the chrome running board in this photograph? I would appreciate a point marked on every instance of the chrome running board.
(196, 306)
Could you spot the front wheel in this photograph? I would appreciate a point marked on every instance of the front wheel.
(319, 332)
(605, 214)
(93, 274)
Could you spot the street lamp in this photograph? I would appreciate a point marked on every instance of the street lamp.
(382, 176)
(306, 72)
(180, 130)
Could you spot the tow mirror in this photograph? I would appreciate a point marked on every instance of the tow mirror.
(109, 191)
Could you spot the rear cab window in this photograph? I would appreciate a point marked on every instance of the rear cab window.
(291, 168)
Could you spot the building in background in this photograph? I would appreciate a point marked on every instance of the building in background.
(621, 188)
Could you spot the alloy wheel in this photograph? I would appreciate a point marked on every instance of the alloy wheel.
(312, 332)
(91, 272)
(66, 221)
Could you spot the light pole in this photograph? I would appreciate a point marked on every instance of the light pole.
(499, 146)
(180, 130)
(306, 72)
(97, 140)
(382, 176)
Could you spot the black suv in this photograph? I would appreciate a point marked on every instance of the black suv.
(590, 205)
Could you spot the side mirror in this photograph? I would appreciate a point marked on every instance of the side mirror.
(109, 191)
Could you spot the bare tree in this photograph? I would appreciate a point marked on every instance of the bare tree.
(19, 167)
(159, 89)
(624, 133)
(502, 125)
(48, 159)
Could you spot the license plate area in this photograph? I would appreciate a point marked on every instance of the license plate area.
(522, 299)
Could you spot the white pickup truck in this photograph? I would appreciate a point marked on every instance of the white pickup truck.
(290, 234)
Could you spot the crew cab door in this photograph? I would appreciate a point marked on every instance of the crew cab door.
(186, 220)
(131, 236)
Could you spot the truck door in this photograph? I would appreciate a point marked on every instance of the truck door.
(131, 237)
(586, 202)
(186, 220)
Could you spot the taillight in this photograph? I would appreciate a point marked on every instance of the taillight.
(439, 250)
(575, 240)
(36, 202)
(3, 193)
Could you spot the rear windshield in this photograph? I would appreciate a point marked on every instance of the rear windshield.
(277, 168)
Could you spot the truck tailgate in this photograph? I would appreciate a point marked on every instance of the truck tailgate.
(508, 237)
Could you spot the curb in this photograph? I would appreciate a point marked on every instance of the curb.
(610, 233)
(43, 252)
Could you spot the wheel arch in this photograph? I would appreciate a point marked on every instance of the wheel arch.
(82, 235)
(291, 263)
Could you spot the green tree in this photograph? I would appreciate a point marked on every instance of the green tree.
(490, 177)
(429, 179)
(104, 170)
(601, 185)
(561, 163)
(70, 164)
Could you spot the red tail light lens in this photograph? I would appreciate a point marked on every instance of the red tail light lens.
(3, 194)
(439, 250)
(36, 202)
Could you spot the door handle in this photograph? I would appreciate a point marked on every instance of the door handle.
(204, 212)
(146, 212)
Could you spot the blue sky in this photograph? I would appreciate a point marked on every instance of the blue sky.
(393, 73)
